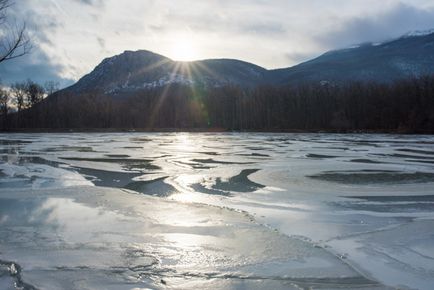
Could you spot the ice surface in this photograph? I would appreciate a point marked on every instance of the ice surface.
(217, 211)
(102, 236)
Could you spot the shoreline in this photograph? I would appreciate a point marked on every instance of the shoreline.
(208, 130)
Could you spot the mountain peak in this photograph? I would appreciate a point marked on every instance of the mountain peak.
(136, 55)
(410, 34)
(143, 69)
(140, 52)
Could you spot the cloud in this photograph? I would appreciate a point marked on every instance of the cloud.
(229, 18)
(101, 43)
(72, 37)
(298, 57)
(35, 66)
(91, 2)
(393, 23)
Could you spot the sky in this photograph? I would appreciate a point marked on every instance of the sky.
(70, 37)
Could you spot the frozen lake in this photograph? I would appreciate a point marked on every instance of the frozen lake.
(216, 211)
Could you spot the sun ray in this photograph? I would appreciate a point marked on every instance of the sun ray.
(197, 94)
(151, 67)
(163, 96)
(201, 66)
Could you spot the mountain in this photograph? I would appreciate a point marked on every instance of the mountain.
(135, 90)
(409, 56)
(136, 70)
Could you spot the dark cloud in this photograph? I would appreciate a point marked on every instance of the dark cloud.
(154, 28)
(91, 2)
(101, 42)
(264, 28)
(394, 23)
(35, 66)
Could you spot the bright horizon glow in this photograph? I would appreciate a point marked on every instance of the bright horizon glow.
(183, 50)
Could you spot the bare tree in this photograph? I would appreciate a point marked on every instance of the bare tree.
(14, 41)
(34, 93)
(4, 106)
(51, 87)
(4, 101)
(19, 93)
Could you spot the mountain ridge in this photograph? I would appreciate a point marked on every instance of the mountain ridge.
(411, 55)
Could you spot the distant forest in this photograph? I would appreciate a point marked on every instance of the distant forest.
(406, 106)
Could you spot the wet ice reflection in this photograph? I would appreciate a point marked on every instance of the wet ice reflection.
(343, 195)
(143, 240)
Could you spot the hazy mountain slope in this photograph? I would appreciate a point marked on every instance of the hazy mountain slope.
(408, 56)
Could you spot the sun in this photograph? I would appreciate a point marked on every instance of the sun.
(183, 50)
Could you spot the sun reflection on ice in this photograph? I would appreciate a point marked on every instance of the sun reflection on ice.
(184, 143)
(185, 180)
(186, 197)
(185, 193)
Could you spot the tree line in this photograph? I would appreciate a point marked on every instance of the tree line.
(21, 96)
(403, 106)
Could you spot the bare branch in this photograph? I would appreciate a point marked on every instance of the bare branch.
(14, 41)
(4, 5)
